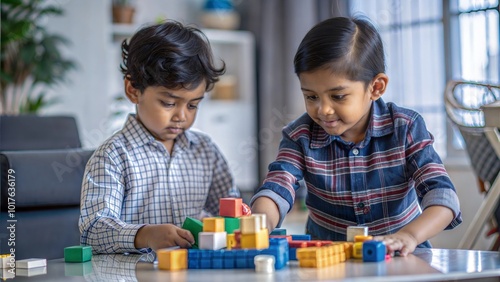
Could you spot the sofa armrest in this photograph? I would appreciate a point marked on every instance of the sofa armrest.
(42, 178)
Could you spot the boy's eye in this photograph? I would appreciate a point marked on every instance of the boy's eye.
(311, 97)
(338, 97)
(193, 106)
(166, 104)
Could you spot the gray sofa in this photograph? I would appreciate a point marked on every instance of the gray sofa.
(42, 161)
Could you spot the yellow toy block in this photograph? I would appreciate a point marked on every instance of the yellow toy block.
(362, 238)
(259, 240)
(357, 250)
(169, 259)
(231, 241)
(213, 224)
(250, 224)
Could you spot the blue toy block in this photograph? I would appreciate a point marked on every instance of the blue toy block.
(279, 249)
(229, 260)
(205, 263)
(293, 253)
(240, 258)
(301, 237)
(278, 231)
(373, 251)
(217, 259)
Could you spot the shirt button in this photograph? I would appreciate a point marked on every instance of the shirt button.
(355, 151)
(361, 205)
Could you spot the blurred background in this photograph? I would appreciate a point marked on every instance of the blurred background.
(427, 43)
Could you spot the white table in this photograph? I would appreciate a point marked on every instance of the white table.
(423, 265)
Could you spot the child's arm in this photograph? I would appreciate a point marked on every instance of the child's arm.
(157, 236)
(433, 220)
(268, 207)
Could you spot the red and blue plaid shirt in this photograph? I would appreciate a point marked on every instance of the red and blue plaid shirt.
(383, 182)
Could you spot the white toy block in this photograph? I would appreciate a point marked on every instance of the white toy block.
(356, 230)
(7, 273)
(31, 263)
(250, 224)
(263, 219)
(212, 240)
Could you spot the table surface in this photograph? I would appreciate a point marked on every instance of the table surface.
(422, 265)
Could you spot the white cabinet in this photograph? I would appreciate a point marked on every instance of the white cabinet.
(228, 114)
(231, 120)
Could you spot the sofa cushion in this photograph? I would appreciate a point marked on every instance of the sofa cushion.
(42, 178)
(33, 132)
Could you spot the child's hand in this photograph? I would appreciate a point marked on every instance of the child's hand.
(158, 236)
(401, 241)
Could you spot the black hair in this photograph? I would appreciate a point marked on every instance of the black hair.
(171, 55)
(348, 46)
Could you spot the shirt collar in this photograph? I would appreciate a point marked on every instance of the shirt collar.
(380, 124)
(138, 135)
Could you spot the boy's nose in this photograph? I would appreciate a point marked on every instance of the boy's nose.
(179, 116)
(325, 109)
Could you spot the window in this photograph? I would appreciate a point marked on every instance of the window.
(418, 67)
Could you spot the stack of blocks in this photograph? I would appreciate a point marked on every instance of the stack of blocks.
(323, 256)
(231, 240)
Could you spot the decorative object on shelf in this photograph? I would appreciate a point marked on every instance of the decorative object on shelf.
(225, 88)
(123, 11)
(220, 14)
(31, 60)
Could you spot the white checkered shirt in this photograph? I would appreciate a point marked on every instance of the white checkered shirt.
(132, 180)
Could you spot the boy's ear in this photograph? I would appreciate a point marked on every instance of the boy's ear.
(378, 86)
(131, 92)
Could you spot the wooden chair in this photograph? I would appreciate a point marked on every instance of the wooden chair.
(465, 104)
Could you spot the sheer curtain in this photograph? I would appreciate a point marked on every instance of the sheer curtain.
(279, 26)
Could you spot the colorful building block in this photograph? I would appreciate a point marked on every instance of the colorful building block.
(31, 263)
(230, 241)
(213, 224)
(278, 231)
(355, 230)
(194, 226)
(301, 237)
(362, 238)
(5, 260)
(172, 259)
(231, 224)
(250, 224)
(357, 250)
(212, 240)
(373, 251)
(77, 254)
(258, 240)
(230, 207)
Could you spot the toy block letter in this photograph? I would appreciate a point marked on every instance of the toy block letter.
(231, 207)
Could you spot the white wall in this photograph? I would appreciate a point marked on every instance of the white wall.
(87, 24)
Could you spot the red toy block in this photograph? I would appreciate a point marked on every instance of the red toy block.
(230, 207)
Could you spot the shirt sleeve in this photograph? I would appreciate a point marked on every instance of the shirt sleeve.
(222, 185)
(101, 204)
(432, 183)
(283, 177)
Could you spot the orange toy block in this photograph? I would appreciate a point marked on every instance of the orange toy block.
(357, 250)
(230, 207)
(362, 238)
(213, 224)
(231, 241)
(259, 240)
(169, 259)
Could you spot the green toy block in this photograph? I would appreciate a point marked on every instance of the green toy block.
(194, 226)
(278, 231)
(77, 254)
(231, 224)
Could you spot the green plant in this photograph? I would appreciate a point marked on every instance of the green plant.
(31, 59)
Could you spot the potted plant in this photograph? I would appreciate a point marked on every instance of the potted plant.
(31, 59)
(123, 11)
